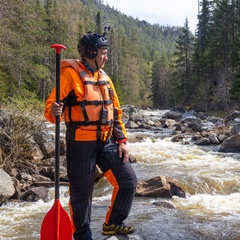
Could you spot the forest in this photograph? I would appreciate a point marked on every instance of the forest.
(152, 66)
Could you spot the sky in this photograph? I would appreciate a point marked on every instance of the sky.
(162, 12)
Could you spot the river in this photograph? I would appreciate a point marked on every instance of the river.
(210, 211)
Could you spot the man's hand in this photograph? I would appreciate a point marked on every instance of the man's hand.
(123, 151)
(56, 109)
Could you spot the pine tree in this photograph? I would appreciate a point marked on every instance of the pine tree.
(99, 23)
(160, 83)
(182, 66)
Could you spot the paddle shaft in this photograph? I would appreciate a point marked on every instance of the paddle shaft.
(58, 48)
(57, 128)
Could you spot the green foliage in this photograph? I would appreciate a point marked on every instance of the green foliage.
(235, 89)
(3, 85)
(216, 56)
(182, 82)
(29, 27)
(21, 119)
(160, 82)
(23, 105)
(203, 71)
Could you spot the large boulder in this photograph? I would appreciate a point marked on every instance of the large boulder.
(7, 188)
(231, 144)
(159, 187)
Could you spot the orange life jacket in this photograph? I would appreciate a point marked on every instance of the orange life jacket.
(96, 107)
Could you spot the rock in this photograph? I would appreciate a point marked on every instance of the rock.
(33, 151)
(222, 137)
(164, 205)
(232, 116)
(40, 178)
(170, 123)
(13, 172)
(98, 174)
(26, 176)
(122, 237)
(162, 187)
(7, 189)
(216, 120)
(188, 116)
(132, 159)
(231, 144)
(203, 126)
(17, 187)
(173, 115)
(131, 124)
(203, 141)
(46, 142)
(35, 194)
(214, 139)
(235, 129)
(178, 138)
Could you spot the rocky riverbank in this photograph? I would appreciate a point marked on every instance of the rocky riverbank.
(27, 158)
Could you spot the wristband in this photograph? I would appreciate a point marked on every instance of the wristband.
(122, 141)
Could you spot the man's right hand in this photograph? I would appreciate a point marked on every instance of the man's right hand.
(56, 109)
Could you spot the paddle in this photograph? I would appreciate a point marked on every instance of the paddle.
(56, 224)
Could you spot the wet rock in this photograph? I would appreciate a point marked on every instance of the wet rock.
(231, 144)
(122, 237)
(132, 159)
(164, 205)
(35, 194)
(203, 141)
(178, 138)
(162, 187)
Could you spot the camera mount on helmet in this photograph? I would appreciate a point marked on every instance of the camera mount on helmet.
(106, 29)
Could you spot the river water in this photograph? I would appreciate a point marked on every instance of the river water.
(210, 211)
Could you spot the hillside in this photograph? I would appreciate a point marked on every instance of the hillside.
(29, 27)
(151, 65)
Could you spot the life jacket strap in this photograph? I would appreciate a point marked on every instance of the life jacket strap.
(85, 102)
(84, 113)
(77, 124)
(99, 131)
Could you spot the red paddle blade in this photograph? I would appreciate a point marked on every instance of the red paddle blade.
(56, 224)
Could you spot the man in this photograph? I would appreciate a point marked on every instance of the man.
(95, 135)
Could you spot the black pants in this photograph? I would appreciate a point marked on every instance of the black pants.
(82, 158)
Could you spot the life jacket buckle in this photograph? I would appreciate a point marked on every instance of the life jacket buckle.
(96, 102)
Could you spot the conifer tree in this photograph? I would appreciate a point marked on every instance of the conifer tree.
(182, 77)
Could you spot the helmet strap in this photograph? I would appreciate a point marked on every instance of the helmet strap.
(96, 64)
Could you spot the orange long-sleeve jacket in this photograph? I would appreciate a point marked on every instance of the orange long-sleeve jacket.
(74, 83)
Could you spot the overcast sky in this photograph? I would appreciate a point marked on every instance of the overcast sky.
(163, 12)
